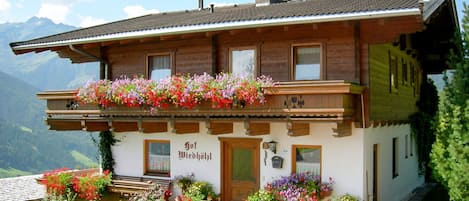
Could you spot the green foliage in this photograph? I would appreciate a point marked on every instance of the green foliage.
(12, 172)
(262, 195)
(200, 190)
(450, 153)
(184, 181)
(69, 195)
(346, 197)
(106, 140)
(83, 159)
(422, 124)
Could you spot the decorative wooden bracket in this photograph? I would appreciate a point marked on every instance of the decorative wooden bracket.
(256, 128)
(218, 127)
(297, 129)
(185, 127)
(343, 129)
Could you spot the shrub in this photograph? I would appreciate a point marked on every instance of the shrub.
(154, 194)
(301, 186)
(61, 184)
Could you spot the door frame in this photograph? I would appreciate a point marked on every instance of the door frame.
(224, 165)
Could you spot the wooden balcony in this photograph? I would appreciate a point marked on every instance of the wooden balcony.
(336, 101)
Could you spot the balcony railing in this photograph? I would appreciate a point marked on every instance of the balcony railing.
(306, 101)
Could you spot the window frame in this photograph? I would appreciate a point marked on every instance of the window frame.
(322, 69)
(241, 48)
(146, 156)
(171, 62)
(293, 156)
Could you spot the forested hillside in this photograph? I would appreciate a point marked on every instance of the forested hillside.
(26, 144)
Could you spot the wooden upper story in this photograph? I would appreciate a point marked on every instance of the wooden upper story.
(360, 66)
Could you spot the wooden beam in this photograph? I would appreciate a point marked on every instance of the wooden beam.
(297, 129)
(219, 127)
(123, 126)
(256, 128)
(343, 129)
(186, 127)
(97, 126)
(154, 127)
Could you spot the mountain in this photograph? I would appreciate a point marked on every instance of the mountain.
(43, 70)
(26, 146)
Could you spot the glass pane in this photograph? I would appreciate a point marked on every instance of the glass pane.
(159, 157)
(308, 160)
(242, 165)
(159, 67)
(307, 63)
(242, 62)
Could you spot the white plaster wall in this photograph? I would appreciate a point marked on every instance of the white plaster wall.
(389, 188)
(342, 158)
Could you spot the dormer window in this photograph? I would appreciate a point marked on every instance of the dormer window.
(306, 62)
(159, 66)
(243, 61)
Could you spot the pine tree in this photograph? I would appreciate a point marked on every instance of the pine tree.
(450, 152)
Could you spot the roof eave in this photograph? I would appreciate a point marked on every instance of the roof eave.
(225, 26)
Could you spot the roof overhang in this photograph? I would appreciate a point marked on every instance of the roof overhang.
(222, 26)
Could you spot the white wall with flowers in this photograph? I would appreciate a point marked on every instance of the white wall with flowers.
(341, 158)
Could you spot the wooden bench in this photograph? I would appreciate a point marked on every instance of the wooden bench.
(128, 185)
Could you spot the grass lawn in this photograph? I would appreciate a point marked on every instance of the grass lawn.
(438, 193)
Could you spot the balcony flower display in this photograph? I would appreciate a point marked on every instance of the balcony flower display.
(222, 91)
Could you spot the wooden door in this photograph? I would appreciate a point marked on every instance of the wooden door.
(240, 168)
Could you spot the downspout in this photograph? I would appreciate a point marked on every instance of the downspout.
(103, 64)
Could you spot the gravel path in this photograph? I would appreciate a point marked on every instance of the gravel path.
(21, 188)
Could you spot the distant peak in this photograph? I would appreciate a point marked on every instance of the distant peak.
(39, 21)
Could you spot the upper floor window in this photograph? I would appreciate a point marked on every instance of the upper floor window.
(306, 158)
(393, 80)
(159, 66)
(307, 62)
(404, 72)
(157, 157)
(243, 61)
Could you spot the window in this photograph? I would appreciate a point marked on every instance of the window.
(395, 157)
(306, 158)
(157, 158)
(406, 145)
(411, 146)
(159, 66)
(307, 62)
(243, 61)
(393, 80)
(404, 72)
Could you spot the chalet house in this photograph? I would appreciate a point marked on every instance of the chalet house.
(349, 74)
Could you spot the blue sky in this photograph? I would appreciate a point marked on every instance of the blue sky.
(85, 13)
(90, 12)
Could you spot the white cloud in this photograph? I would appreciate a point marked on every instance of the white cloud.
(4, 5)
(89, 21)
(55, 12)
(137, 10)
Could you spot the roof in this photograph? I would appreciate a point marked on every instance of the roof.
(21, 188)
(224, 18)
